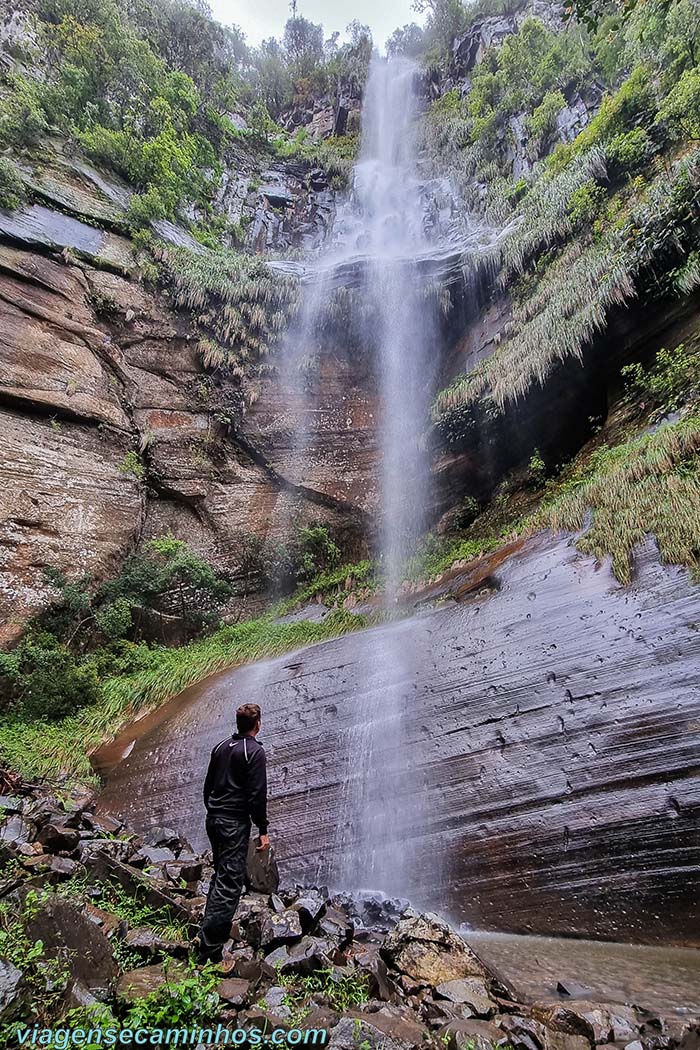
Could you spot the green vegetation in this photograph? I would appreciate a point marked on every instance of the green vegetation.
(671, 381)
(612, 214)
(343, 991)
(12, 189)
(151, 676)
(647, 486)
(238, 300)
(185, 999)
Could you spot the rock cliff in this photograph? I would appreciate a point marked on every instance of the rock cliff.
(554, 725)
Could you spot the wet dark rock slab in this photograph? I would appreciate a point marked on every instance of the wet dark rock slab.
(37, 226)
(554, 724)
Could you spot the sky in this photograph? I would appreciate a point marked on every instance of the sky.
(262, 18)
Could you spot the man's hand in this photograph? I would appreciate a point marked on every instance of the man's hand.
(263, 843)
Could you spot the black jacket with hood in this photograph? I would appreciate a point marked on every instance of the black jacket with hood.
(235, 786)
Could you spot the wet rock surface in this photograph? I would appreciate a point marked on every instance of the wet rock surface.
(554, 725)
(390, 975)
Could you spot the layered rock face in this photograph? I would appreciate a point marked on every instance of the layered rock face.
(95, 371)
(553, 729)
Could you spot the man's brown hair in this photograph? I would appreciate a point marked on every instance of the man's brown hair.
(246, 717)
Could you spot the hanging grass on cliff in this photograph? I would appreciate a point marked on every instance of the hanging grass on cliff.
(649, 486)
(237, 297)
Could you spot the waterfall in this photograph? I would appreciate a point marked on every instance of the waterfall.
(380, 234)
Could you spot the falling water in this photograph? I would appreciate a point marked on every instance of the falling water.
(379, 236)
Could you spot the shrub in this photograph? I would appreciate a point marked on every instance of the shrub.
(12, 189)
(536, 470)
(681, 108)
(672, 380)
(542, 122)
(42, 679)
(629, 151)
(585, 202)
(22, 118)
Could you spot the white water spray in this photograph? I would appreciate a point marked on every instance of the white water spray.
(380, 236)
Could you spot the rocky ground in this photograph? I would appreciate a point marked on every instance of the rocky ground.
(114, 915)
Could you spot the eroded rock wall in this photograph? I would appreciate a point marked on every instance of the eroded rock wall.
(554, 723)
(112, 434)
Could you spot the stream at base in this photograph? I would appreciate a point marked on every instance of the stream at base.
(664, 980)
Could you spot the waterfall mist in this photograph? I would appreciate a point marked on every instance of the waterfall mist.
(387, 306)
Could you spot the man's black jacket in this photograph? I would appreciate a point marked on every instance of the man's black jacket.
(235, 786)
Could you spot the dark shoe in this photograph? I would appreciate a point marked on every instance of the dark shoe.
(201, 957)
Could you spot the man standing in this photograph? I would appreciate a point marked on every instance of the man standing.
(235, 793)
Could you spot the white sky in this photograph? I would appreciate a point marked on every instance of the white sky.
(262, 18)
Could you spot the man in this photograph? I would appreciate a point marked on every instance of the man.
(235, 793)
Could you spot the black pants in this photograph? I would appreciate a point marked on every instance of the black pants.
(229, 846)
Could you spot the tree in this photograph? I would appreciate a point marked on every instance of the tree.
(303, 45)
(273, 83)
(408, 41)
(446, 20)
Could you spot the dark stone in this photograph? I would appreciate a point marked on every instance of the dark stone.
(309, 954)
(11, 992)
(103, 868)
(78, 996)
(161, 838)
(148, 856)
(16, 830)
(311, 908)
(351, 1033)
(137, 984)
(66, 932)
(10, 804)
(56, 838)
(104, 824)
(148, 943)
(281, 929)
(565, 1019)
(371, 962)
(274, 1000)
(116, 848)
(64, 867)
(471, 991)
(336, 927)
(234, 990)
(476, 1035)
(263, 873)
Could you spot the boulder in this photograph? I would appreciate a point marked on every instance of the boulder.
(234, 990)
(566, 1019)
(336, 927)
(63, 867)
(466, 1034)
(397, 1023)
(162, 838)
(69, 934)
(276, 930)
(372, 964)
(137, 984)
(610, 1024)
(147, 943)
(351, 1033)
(471, 991)
(11, 991)
(56, 838)
(425, 948)
(16, 830)
(311, 953)
(149, 856)
(311, 908)
(275, 1000)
